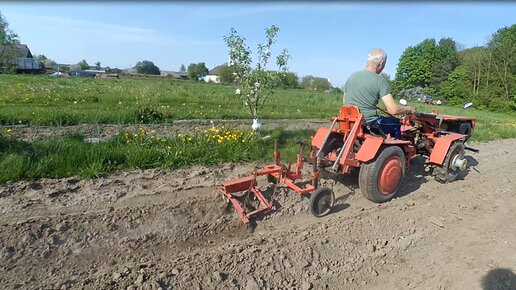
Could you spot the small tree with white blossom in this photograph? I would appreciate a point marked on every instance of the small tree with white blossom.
(255, 85)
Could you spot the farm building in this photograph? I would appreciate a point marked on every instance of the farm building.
(213, 75)
(23, 59)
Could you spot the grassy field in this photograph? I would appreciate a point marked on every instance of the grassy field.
(43, 100)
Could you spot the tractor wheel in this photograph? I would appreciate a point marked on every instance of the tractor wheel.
(462, 128)
(321, 201)
(381, 179)
(449, 170)
(334, 143)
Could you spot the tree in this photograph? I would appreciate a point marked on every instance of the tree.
(8, 42)
(46, 61)
(255, 85)
(503, 49)
(182, 68)
(447, 59)
(426, 65)
(97, 65)
(83, 65)
(147, 67)
(415, 65)
(227, 74)
(288, 80)
(314, 83)
(197, 71)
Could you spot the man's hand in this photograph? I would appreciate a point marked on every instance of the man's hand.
(395, 109)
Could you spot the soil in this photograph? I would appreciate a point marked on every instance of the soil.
(158, 229)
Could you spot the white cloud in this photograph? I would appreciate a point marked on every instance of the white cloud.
(88, 29)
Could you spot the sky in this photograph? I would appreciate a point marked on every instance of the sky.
(324, 39)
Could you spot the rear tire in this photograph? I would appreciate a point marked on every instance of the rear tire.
(381, 179)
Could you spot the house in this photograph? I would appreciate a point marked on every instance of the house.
(213, 75)
(23, 59)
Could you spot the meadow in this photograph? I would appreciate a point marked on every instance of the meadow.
(46, 101)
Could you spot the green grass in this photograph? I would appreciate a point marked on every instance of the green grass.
(71, 156)
(44, 100)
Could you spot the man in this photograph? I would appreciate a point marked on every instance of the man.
(365, 88)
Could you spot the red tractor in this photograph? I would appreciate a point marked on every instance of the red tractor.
(382, 157)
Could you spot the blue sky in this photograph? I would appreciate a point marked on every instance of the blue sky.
(325, 39)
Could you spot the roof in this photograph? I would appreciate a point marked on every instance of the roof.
(216, 70)
(23, 51)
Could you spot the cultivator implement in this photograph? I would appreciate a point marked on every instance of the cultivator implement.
(249, 201)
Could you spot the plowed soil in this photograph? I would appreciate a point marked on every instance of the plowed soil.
(172, 230)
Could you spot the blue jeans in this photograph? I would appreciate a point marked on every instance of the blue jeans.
(385, 125)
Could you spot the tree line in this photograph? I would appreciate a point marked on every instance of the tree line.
(484, 75)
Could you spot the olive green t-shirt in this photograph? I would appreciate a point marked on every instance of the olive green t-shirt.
(364, 89)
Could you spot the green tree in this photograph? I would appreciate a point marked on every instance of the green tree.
(288, 80)
(227, 74)
(63, 67)
(197, 70)
(182, 68)
(255, 85)
(8, 42)
(83, 65)
(427, 65)
(46, 61)
(503, 51)
(147, 67)
(447, 59)
(97, 65)
(415, 66)
(314, 83)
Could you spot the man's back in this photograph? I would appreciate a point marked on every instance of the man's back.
(364, 89)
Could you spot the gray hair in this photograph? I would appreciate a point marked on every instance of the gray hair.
(376, 56)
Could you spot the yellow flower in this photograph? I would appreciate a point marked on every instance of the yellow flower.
(8, 130)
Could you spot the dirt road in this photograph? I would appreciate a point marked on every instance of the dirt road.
(171, 230)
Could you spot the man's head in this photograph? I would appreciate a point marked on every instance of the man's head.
(376, 60)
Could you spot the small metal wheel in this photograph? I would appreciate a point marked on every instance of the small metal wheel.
(452, 165)
(321, 201)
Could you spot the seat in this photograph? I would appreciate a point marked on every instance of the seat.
(348, 116)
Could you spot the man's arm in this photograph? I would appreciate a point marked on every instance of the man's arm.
(395, 109)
